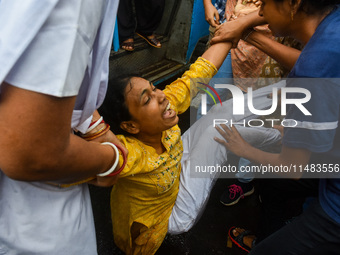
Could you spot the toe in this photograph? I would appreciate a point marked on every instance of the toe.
(238, 231)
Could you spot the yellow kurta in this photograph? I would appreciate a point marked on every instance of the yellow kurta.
(142, 199)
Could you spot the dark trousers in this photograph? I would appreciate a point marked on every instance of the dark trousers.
(282, 200)
(312, 233)
(145, 21)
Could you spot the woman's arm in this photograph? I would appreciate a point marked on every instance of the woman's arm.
(180, 91)
(217, 53)
(283, 54)
(234, 30)
(36, 143)
(289, 157)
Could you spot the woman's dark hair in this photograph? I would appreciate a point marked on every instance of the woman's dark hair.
(315, 6)
(114, 109)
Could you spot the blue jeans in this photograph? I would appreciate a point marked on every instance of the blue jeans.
(244, 177)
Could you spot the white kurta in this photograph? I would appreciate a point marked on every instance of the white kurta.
(59, 48)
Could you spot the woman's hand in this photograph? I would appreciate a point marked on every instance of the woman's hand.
(245, 16)
(230, 31)
(211, 14)
(108, 181)
(233, 141)
(111, 138)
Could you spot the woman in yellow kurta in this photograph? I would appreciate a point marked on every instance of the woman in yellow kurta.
(142, 199)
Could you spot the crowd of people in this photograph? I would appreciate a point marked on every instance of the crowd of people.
(54, 79)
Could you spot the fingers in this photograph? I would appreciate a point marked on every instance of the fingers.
(234, 45)
(228, 133)
(113, 139)
(215, 40)
(221, 35)
(225, 131)
(220, 141)
(217, 18)
(106, 181)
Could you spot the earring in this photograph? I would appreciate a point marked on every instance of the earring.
(292, 15)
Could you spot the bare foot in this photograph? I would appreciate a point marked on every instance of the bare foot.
(128, 44)
(154, 39)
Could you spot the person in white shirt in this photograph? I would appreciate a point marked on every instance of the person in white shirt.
(53, 76)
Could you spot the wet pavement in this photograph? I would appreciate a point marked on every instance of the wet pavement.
(209, 236)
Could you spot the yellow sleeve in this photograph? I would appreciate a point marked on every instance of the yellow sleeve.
(137, 161)
(178, 92)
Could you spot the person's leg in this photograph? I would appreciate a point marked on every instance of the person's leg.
(126, 24)
(195, 182)
(314, 228)
(200, 149)
(327, 248)
(149, 14)
(243, 175)
(282, 199)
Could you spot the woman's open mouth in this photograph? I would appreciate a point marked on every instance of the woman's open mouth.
(168, 112)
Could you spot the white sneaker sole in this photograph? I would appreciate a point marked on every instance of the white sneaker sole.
(236, 201)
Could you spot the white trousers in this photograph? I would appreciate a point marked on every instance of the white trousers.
(200, 149)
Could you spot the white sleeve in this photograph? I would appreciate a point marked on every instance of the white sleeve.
(59, 48)
(18, 28)
(55, 54)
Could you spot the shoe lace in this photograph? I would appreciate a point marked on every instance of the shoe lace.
(233, 190)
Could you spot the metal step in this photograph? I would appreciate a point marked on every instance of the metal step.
(145, 61)
(124, 63)
(139, 43)
(162, 71)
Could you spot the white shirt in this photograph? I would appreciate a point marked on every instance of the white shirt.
(53, 47)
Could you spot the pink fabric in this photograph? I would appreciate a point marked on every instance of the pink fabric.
(246, 60)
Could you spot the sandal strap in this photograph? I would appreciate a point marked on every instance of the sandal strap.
(253, 243)
(240, 237)
(128, 44)
(154, 41)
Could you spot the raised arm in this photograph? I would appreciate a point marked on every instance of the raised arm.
(234, 30)
(36, 142)
(180, 91)
(237, 29)
(217, 53)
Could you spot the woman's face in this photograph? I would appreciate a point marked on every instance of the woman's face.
(278, 16)
(149, 108)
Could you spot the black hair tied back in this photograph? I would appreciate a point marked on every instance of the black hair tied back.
(114, 109)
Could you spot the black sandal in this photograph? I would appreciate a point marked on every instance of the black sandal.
(153, 42)
(238, 240)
